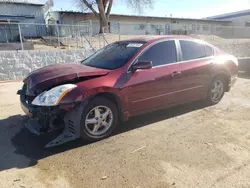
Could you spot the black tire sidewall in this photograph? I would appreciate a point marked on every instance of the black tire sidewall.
(209, 100)
(98, 101)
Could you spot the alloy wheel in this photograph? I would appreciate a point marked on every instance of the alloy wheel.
(99, 120)
(217, 91)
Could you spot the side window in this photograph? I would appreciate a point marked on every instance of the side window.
(209, 51)
(192, 50)
(161, 53)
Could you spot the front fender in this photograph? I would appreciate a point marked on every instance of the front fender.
(76, 96)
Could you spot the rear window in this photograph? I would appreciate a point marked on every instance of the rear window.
(209, 51)
(114, 55)
(192, 50)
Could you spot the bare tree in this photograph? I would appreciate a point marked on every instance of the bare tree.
(102, 8)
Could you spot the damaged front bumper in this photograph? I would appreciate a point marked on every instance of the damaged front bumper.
(45, 119)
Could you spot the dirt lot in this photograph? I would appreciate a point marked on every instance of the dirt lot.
(186, 146)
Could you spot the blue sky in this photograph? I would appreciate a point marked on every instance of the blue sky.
(182, 8)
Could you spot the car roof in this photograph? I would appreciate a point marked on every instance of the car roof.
(149, 38)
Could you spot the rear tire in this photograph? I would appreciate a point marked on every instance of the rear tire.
(216, 90)
(99, 119)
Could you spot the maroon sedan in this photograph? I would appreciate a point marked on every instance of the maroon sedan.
(124, 79)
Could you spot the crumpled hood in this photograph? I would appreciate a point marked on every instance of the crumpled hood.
(53, 75)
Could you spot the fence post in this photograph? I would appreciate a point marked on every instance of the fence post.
(90, 28)
(99, 41)
(119, 30)
(170, 29)
(233, 32)
(20, 35)
(212, 27)
(90, 32)
(78, 36)
(147, 28)
(58, 40)
(6, 35)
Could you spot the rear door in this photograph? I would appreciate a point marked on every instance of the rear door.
(196, 63)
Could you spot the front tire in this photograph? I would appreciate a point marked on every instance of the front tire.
(99, 119)
(216, 90)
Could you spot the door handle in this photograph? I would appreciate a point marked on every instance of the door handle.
(176, 73)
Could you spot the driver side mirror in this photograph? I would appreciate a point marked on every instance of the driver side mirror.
(142, 65)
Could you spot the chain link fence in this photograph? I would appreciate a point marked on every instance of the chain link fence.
(29, 36)
(234, 40)
(41, 44)
(33, 36)
(84, 35)
(231, 32)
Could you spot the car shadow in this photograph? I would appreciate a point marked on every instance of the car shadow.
(22, 149)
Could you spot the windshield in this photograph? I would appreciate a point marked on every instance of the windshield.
(113, 56)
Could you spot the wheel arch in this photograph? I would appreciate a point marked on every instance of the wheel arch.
(112, 97)
(226, 77)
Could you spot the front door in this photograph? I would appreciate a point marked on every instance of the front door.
(152, 89)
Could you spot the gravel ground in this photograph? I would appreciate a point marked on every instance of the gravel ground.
(185, 146)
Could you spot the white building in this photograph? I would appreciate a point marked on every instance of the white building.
(240, 18)
(239, 24)
(20, 11)
(135, 25)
